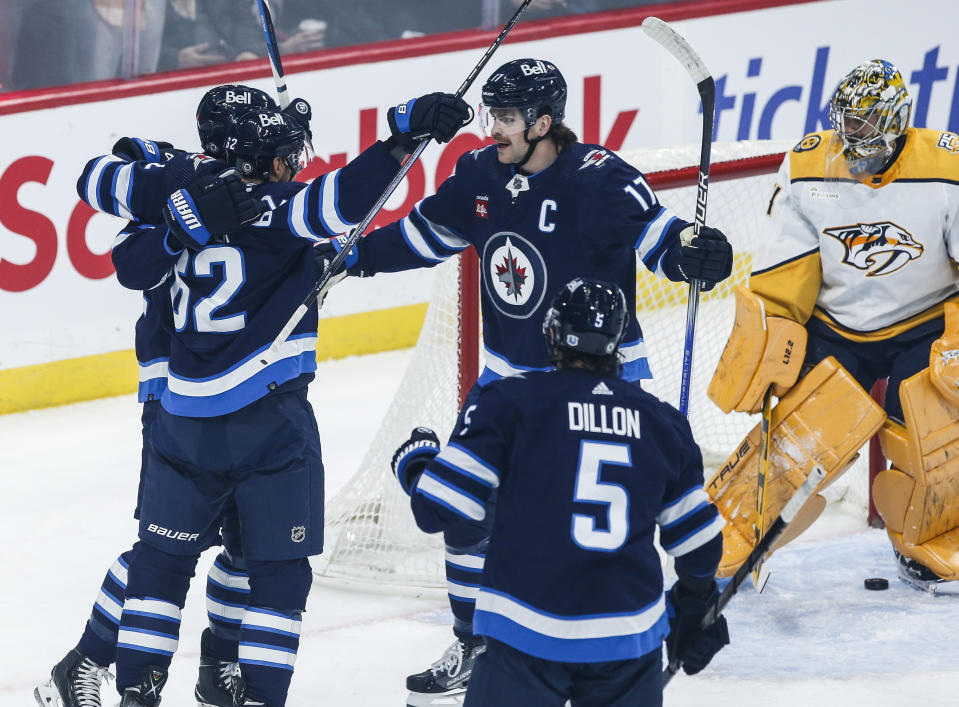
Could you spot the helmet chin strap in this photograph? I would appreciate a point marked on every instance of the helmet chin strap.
(532, 147)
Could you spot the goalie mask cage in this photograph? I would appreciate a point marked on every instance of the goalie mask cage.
(370, 530)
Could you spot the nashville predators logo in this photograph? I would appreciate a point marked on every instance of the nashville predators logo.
(878, 248)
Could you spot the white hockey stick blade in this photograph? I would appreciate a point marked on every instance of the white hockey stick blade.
(760, 577)
(676, 44)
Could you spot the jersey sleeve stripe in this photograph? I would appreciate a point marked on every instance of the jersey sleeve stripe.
(330, 194)
(697, 538)
(296, 217)
(95, 182)
(654, 234)
(685, 505)
(447, 237)
(462, 460)
(417, 243)
(439, 492)
(123, 190)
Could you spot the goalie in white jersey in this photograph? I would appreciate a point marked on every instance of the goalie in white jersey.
(861, 259)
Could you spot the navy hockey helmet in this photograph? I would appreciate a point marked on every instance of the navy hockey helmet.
(254, 138)
(534, 86)
(587, 316)
(218, 105)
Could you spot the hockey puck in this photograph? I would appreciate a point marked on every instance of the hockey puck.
(876, 583)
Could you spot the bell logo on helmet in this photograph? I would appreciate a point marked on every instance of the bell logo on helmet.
(238, 97)
(267, 119)
(538, 68)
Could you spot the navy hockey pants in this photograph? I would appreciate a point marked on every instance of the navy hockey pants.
(506, 677)
(897, 358)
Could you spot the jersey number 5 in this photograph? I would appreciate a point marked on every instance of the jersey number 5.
(589, 489)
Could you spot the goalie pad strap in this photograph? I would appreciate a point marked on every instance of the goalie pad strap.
(944, 356)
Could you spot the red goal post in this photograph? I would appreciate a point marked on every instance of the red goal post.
(370, 531)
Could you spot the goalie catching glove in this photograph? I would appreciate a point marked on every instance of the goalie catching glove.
(209, 208)
(707, 257)
(688, 642)
(414, 454)
(435, 115)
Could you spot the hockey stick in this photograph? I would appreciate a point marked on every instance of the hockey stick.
(759, 576)
(270, 354)
(273, 50)
(676, 45)
(758, 554)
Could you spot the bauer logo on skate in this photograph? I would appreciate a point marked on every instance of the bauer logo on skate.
(514, 275)
(172, 534)
(878, 248)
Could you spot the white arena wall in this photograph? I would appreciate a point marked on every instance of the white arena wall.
(68, 326)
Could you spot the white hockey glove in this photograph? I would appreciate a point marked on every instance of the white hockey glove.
(414, 454)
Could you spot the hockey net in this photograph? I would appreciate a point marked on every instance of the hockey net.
(370, 530)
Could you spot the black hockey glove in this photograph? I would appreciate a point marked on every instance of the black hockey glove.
(135, 149)
(301, 112)
(324, 252)
(687, 642)
(707, 257)
(437, 115)
(209, 208)
(414, 454)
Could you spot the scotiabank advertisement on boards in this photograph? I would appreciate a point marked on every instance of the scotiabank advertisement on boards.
(775, 70)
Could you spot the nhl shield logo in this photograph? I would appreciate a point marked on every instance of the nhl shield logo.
(298, 533)
(878, 248)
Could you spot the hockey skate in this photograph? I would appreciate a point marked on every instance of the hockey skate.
(241, 699)
(918, 576)
(445, 681)
(147, 693)
(74, 682)
(217, 681)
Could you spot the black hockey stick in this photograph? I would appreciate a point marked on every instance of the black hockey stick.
(758, 554)
(273, 50)
(270, 354)
(676, 45)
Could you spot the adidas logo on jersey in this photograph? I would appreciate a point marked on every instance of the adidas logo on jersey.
(602, 389)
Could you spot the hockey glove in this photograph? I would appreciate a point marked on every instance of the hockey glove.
(301, 112)
(414, 454)
(133, 149)
(437, 115)
(689, 643)
(209, 208)
(324, 252)
(707, 257)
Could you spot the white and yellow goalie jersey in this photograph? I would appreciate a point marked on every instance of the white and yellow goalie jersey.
(872, 257)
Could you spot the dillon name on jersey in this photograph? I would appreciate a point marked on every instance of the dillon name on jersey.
(583, 469)
(583, 216)
(230, 299)
(871, 259)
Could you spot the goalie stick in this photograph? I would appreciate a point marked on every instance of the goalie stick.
(758, 554)
(676, 44)
(760, 577)
(270, 354)
(273, 50)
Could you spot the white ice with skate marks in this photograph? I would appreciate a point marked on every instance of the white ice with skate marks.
(68, 481)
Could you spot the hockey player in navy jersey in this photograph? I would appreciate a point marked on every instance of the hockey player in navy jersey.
(539, 208)
(234, 421)
(584, 466)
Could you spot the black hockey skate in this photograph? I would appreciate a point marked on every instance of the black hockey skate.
(147, 693)
(74, 682)
(241, 699)
(918, 576)
(445, 682)
(217, 681)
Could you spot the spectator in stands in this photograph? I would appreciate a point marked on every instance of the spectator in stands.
(207, 32)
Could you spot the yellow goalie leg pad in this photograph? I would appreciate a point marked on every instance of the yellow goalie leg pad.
(824, 420)
(918, 498)
(761, 352)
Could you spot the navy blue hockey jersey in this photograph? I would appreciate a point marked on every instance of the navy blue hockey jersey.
(583, 469)
(230, 299)
(583, 216)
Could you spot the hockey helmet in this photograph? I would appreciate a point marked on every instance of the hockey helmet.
(870, 111)
(254, 138)
(588, 316)
(533, 86)
(216, 108)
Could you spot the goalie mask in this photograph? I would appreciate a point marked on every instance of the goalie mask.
(587, 316)
(532, 86)
(254, 138)
(869, 112)
(219, 105)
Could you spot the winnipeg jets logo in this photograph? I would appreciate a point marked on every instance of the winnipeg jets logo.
(878, 248)
(514, 275)
(511, 272)
(594, 158)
